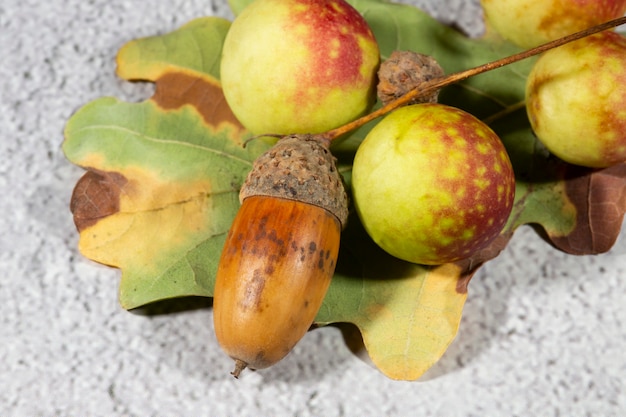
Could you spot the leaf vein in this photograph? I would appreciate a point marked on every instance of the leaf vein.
(167, 141)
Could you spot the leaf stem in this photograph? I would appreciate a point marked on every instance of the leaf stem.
(504, 112)
(429, 87)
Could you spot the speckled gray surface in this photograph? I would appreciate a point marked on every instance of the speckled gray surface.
(543, 333)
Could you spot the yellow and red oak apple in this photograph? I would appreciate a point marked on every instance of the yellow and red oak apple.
(529, 23)
(432, 184)
(576, 100)
(299, 66)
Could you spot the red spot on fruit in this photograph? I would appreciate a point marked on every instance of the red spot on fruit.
(569, 16)
(483, 196)
(611, 48)
(334, 30)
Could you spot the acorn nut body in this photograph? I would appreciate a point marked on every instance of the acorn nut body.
(280, 253)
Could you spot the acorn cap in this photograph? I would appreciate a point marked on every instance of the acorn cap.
(299, 168)
(405, 70)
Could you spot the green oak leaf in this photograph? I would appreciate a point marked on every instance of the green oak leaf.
(163, 175)
(407, 314)
(162, 182)
(196, 46)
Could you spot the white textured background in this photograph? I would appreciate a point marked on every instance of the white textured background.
(543, 333)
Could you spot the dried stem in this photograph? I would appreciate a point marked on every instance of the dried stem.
(239, 366)
(428, 87)
(504, 112)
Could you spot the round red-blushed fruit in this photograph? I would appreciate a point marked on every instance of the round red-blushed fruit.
(299, 66)
(432, 184)
(529, 23)
(576, 100)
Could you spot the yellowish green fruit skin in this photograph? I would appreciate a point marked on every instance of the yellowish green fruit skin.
(530, 23)
(576, 100)
(432, 184)
(299, 66)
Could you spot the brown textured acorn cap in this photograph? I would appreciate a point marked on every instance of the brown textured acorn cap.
(300, 168)
(405, 70)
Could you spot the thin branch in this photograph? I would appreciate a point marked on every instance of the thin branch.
(429, 87)
(504, 112)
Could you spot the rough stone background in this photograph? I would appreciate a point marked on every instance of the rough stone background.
(543, 333)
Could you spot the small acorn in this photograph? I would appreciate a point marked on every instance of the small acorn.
(280, 253)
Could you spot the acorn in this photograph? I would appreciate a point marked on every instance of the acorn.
(280, 252)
